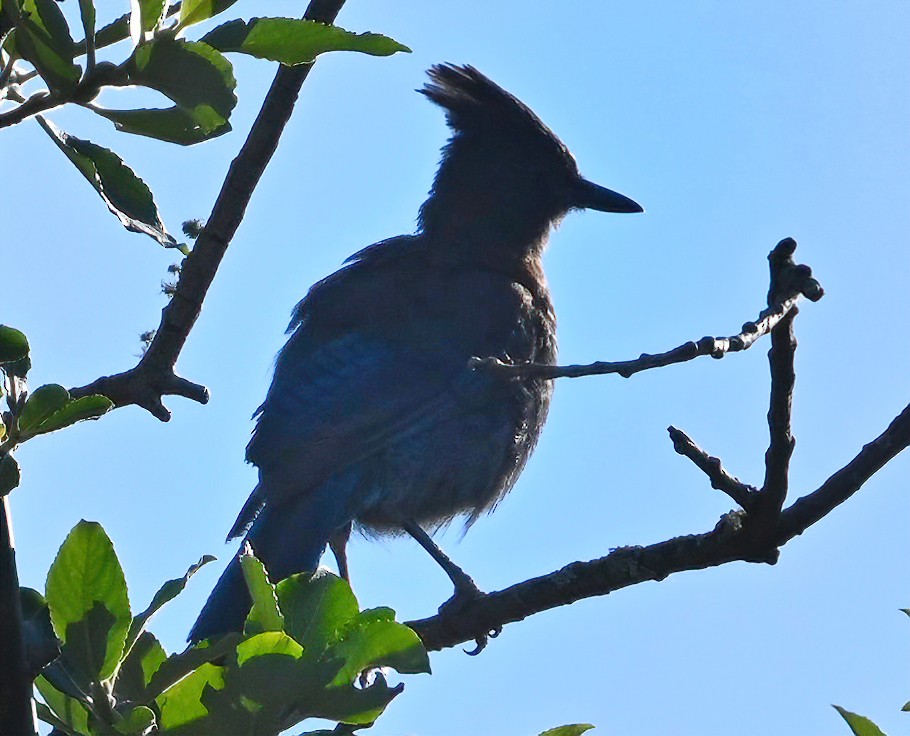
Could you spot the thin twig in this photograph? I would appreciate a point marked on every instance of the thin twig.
(716, 347)
(154, 376)
(721, 480)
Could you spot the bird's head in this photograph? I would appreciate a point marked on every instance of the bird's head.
(504, 178)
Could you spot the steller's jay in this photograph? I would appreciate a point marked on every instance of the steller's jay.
(374, 416)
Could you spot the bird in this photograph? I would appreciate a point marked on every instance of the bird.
(377, 418)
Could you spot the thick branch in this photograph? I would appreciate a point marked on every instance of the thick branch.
(15, 681)
(782, 442)
(154, 376)
(806, 511)
(785, 276)
(730, 540)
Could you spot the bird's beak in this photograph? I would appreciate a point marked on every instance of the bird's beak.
(591, 196)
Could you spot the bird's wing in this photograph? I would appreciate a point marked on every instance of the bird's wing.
(336, 403)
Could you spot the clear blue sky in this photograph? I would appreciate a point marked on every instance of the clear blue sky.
(734, 124)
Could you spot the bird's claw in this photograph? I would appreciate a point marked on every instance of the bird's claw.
(482, 641)
(480, 644)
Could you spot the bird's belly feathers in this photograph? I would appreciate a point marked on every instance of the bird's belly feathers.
(461, 460)
(462, 457)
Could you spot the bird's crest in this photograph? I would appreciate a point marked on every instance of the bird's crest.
(475, 104)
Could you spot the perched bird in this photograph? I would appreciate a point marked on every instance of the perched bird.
(375, 417)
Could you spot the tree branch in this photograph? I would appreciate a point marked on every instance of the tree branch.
(752, 535)
(16, 716)
(790, 286)
(154, 377)
(743, 494)
(732, 539)
(784, 277)
(806, 511)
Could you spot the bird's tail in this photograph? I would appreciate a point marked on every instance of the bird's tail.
(288, 538)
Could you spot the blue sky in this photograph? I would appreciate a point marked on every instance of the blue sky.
(735, 125)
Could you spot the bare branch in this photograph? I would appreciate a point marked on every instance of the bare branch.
(793, 281)
(154, 376)
(752, 535)
(785, 276)
(721, 480)
(732, 539)
(806, 511)
(782, 442)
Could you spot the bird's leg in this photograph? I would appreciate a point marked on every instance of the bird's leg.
(338, 542)
(464, 586)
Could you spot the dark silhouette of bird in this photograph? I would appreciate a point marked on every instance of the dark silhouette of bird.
(375, 417)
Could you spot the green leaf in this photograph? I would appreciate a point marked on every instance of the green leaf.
(317, 608)
(66, 709)
(9, 474)
(178, 666)
(172, 125)
(860, 725)
(87, 596)
(50, 408)
(42, 403)
(46, 714)
(264, 614)
(77, 410)
(19, 368)
(145, 16)
(357, 705)
(268, 642)
(292, 41)
(190, 73)
(196, 11)
(136, 722)
(375, 639)
(41, 644)
(43, 38)
(114, 32)
(13, 345)
(166, 593)
(572, 729)
(124, 193)
(181, 704)
(136, 671)
(195, 76)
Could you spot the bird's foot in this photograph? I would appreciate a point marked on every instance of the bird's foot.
(466, 592)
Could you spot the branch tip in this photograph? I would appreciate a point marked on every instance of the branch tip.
(743, 494)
